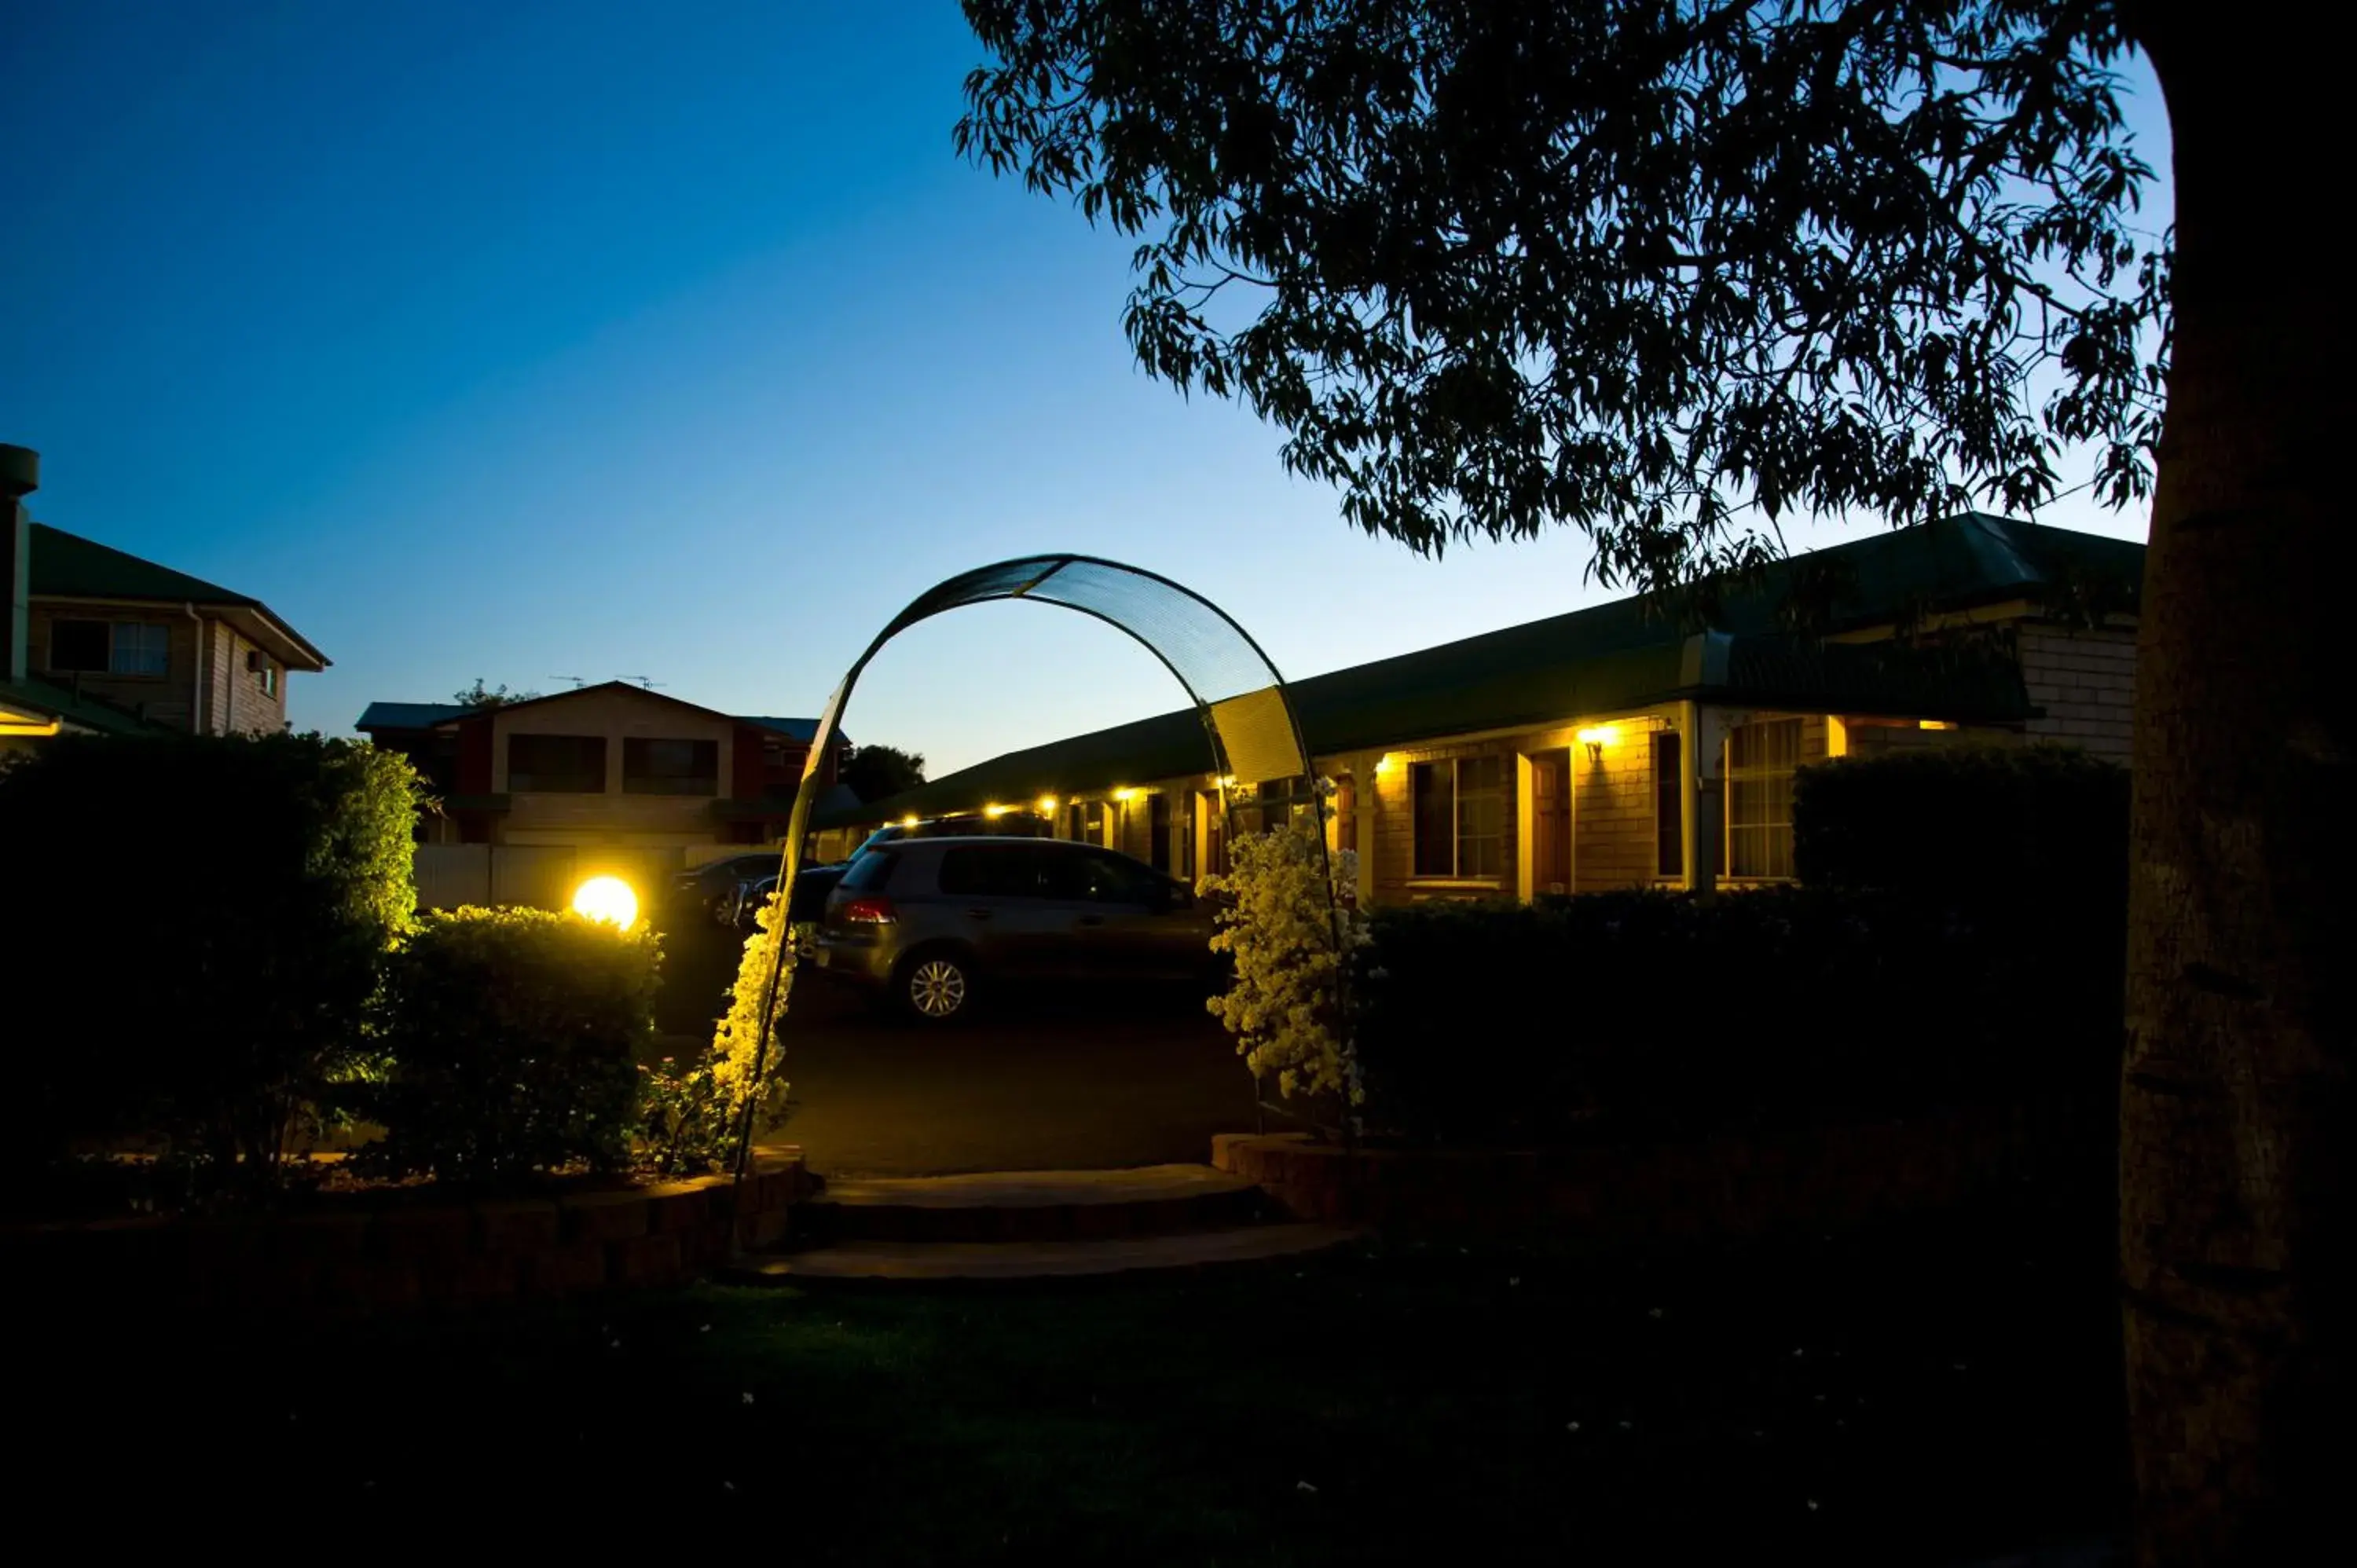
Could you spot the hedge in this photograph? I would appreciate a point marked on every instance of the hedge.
(1650, 1012)
(1980, 826)
(197, 923)
(513, 1037)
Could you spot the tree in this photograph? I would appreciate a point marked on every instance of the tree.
(482, 697)
(1663, 269)
(876, 771)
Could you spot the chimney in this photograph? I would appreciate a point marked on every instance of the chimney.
(20, 476)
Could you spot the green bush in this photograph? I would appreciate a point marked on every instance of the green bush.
(1977, 826)
(198, 924)
(1646, 1012)
(513, 1039)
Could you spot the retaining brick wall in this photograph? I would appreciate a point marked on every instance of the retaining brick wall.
(1736, 1186)
(356, 1258)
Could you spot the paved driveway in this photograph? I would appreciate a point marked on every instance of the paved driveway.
(1038, 1086)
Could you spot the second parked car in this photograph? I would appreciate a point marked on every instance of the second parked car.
(926, 923)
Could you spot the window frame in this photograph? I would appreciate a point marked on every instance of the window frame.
(1501, 793)
(1762, 775)
(697, 784)
(536, 787)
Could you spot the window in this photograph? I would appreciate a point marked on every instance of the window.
(1110, 879)
(1760, 761)
(670, 767)
(1011, 870)
(1459, 811)
(116, 647)
(78, 645)
(1668, 805)
(557, 763)
(265, 675)
(870, 870)
(141, 648)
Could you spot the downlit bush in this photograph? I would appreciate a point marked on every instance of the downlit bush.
(513, 1038)
(199, 923)
(1652, 1012)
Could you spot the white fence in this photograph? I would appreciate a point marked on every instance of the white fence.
(449, 874)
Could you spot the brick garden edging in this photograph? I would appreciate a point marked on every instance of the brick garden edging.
(1732, 1185)
(357, 1258)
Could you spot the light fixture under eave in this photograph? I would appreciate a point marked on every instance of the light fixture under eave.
(996, 811)
(910, 821)
(1123, 792)
(1593, 738)
(1047, 804)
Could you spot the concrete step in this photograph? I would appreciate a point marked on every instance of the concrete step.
(975, 1262)
(1029, 1206)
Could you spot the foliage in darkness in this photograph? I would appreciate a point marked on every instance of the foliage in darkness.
(1664, 270)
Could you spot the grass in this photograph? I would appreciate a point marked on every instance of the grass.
(1915, 1398)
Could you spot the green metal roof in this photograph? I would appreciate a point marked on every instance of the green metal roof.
(81, 710)
(66, 565)
(1626, 654)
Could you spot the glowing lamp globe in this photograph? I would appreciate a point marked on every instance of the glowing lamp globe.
(607, 899)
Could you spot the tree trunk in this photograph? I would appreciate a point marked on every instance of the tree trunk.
(2237, 1219)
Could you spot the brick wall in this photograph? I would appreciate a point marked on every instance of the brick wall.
(2085, 680)
(1612, 810)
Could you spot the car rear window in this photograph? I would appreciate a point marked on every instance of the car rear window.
(869, 871)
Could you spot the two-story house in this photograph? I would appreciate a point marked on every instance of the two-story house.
(99, 639)
(611, 765)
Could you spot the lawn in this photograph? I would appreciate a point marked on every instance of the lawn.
(1921, 1398)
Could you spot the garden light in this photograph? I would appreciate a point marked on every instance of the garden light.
(608, 899)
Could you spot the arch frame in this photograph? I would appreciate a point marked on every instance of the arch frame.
(940, 600)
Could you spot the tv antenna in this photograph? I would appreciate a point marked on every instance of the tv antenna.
(577, 681)
(647, 682)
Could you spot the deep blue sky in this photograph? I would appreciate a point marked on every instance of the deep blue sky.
(527, 340)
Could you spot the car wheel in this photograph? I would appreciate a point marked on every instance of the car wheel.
(935, 987)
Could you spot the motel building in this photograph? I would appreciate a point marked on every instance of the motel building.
(1616, 746)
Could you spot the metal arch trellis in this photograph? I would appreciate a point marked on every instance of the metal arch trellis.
(1248, 717)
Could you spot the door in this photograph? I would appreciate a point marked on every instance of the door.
(1133, 923)
(1000, 900)
(1551, 822)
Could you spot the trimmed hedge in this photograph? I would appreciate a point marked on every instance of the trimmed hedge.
(513, 1037)
(1977, 826)
(1641, 1012)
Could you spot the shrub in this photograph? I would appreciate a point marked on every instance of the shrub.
(207, 918)
(1286, 935)
(693, 1113)
(513, 1037)
(1650, 1011)
(1975, 826)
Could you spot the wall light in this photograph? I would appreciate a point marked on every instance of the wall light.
(1047, 804)
(1227, 780)
(996, 811)
(1934, 724)
(1386, 764)
(910, 821)
(1594, 738)
(1123, 792)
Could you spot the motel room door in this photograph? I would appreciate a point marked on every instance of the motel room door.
(1551, 822)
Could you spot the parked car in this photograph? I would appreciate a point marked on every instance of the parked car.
(1006, 824)
(811, 885)
(711, 889)
(925, 923)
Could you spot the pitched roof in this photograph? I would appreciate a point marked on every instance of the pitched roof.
(68, 567)
(1625, 654)
(429, 716)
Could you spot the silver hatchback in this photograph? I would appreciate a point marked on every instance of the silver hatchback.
(925, 923)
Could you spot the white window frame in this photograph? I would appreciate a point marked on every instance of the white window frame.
(1503, 792)
(1764, 776)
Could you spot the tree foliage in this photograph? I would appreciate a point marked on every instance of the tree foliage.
(207, 916)
(874, 772)
(1636, 265)
(479, 695)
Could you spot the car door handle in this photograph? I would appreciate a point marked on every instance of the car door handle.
(977, 914)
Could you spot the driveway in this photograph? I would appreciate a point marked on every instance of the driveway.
(1073, 1084)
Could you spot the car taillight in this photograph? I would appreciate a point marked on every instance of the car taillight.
(869, 912)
